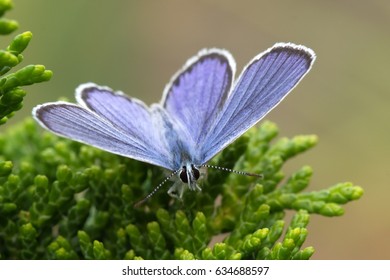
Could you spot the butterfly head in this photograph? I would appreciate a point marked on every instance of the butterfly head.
(189, 174)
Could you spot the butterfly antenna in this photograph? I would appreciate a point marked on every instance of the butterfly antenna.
(139, 203)
(233, 171)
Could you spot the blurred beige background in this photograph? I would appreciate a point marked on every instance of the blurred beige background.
(136, 46)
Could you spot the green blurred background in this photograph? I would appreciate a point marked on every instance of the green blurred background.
(136, 46)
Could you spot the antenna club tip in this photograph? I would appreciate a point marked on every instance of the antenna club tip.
(138, 204)
(255, 175)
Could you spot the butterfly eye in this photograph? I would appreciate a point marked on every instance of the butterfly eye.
(183, 175)
(195, 172)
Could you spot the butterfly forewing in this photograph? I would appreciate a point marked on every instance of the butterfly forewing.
(92, 126)
(262, 85)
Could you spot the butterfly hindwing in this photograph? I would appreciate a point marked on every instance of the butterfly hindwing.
(197, 93)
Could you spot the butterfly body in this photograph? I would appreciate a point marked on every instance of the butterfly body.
(202, 110)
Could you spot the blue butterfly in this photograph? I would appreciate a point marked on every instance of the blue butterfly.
(202, 111)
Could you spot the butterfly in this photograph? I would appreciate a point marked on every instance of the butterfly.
(203, 109)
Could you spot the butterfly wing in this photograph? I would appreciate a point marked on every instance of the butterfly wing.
(197, 93)
(265, 81)
(198, 117)
(110, 121)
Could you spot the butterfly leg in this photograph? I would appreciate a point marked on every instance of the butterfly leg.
(177, 189)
